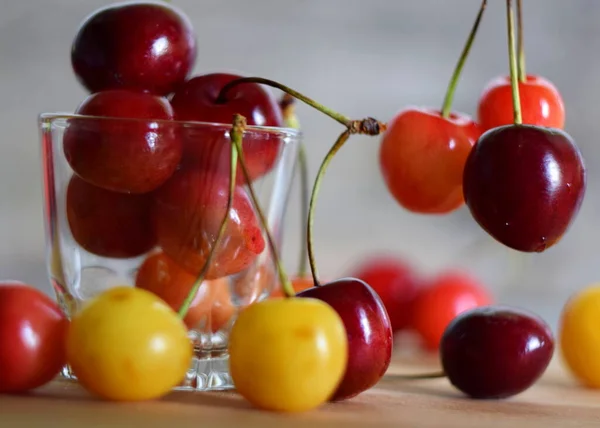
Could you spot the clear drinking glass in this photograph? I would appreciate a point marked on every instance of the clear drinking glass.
(139, 203)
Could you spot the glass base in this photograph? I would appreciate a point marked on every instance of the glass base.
(205, 374)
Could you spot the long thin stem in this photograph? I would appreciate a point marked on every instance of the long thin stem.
(236, 134)
(286, 285)
(332, 114)
(520, 43)
(514, 78)
(313, 200)
(447, 106)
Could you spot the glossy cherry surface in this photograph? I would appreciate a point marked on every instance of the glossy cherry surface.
(139, 46)
(422, 157)
(496, 352)
(541, 103)
(130, 156)
(109, 224)
(396, 282)
(368, 328)
(524, 185)
(196, 100)
(188, 212)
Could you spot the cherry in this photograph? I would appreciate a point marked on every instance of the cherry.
(109, 224)
(423, 152)
(395, 282)
(524, 185)
(188, 212)
(140, 46)
(496, 351)
(369, 331)
(132, 156)
(198, 100)
(541, 103)
(439, 302)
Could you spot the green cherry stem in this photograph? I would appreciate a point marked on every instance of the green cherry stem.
(313, 200)
(236, 133)
(236, 139)
(288, 108)
(512, 56)
(447, 106)
(520, 43)
(332, 114)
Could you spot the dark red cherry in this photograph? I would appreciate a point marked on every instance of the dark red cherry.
(524, 185)
(140, 46)
(369, 331)
(188, 212)
(210, 149)
(495, 351)
(109, 224)
(131, 156)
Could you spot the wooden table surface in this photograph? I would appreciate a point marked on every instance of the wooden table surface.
(556, 401)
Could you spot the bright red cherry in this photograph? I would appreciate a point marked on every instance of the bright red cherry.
(196, 100)
(446, 296)
(188, 212)
(541, 104)
(496, 351)
(422, 157)
(396, 282)
(140, 46)
(131, 156)
(524, 185)
(109, 224)
(369, 330)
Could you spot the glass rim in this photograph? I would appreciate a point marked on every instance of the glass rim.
(51, 117)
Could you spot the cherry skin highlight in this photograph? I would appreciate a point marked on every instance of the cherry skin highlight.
(422, 157)
(188, 212)
(370, 339)
(524, 185)
(496, 351)
(109, 224)
(148, 47)
(196, 100)
(541, 104)
(396, 283)
(130, 156)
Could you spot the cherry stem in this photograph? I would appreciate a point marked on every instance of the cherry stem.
(288, 109)
(419, 376)
(236, 133)
(236, 139)
(313, 200)
(332, 114)
(514, 78)
(447, 106)
(520, 43)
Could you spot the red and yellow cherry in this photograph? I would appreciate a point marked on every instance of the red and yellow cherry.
(422, 157)
(304, 361)
(524, 185)
(369, 331)
(541, 104)
(188, 211)
(140, 46)
(496, 351)
(109, 224)
(33, 332)
(579, 339)
(447, 295)
(396, 282)
(127, 344)
(130, 156)
(210, 149)
(163, 277)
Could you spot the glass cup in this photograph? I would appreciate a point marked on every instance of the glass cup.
(139, 203)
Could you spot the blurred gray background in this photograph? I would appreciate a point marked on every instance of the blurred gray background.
(363, 58)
